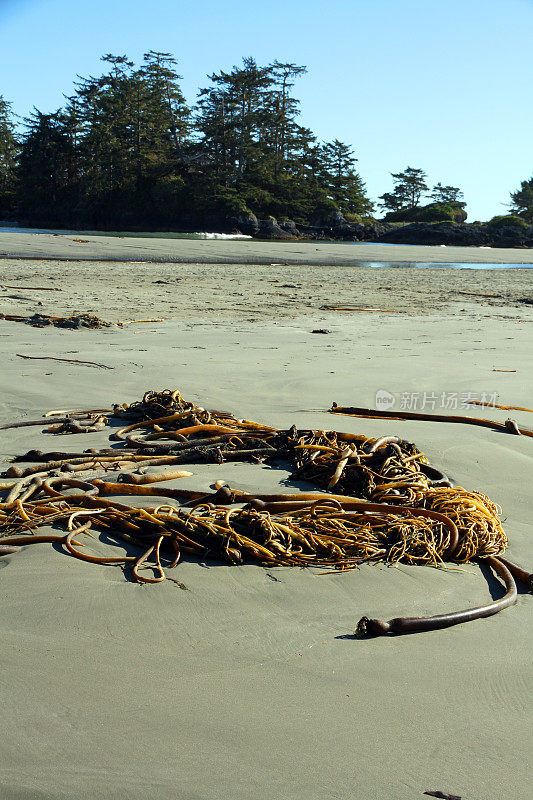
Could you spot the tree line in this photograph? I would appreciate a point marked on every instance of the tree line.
(128, 150)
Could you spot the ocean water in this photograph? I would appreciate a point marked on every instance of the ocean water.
(442, 265)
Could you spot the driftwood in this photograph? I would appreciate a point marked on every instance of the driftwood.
(75, 321)
(360, 308)
(34, 288)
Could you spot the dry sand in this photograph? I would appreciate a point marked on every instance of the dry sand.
(249, 685)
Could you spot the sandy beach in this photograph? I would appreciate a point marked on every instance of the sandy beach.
(252, 251)
(250, 684)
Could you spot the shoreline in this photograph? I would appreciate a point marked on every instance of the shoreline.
(43, 246)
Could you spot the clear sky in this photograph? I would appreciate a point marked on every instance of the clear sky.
(445, 86)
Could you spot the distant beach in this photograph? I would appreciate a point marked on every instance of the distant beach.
(82, 246)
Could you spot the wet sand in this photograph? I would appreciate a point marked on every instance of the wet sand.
(187, 251)
(129, 290)
(250, 684)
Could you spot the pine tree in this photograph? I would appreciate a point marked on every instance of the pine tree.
(230, 116)
(446, 194)
(522, 200)
(8, 158)
(342, 184)
(166, 110)
(109, 160)
(282, 110)
(44, 167)
(409, 186)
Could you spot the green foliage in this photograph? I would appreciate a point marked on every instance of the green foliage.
(522, 200)
(403, 203)
(8, 156)
(223, 200)
(47, 170)
(339, 179)
(128, 150)
(433, 212)
(168, 198)
(261, 200)
(409, 186)
(508, 221)
(366, 219)
(325, 207)
(446, 194)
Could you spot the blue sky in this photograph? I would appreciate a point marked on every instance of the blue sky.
(445, 86)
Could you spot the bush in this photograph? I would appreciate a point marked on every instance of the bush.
(433, 212)
(507, 221)
(365, 219)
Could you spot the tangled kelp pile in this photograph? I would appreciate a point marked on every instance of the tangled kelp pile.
(389, 504)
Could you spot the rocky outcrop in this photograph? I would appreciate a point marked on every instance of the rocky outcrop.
(291, 228)
(458, 234)
(449, 233)
(505, 231)
(325, 228)
(372, 232)
(511, 236)
(269, 229)
(334, 227)
(246, 223)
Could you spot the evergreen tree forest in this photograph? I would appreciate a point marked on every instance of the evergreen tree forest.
(127, 150)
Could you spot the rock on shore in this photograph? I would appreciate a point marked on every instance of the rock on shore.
(336, 227)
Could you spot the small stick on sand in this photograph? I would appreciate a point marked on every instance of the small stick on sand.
(360, 308)
(135, 321)
(34, 288)
(478, 294)
(70, 360)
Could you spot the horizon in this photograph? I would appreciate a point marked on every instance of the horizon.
(467, 146)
